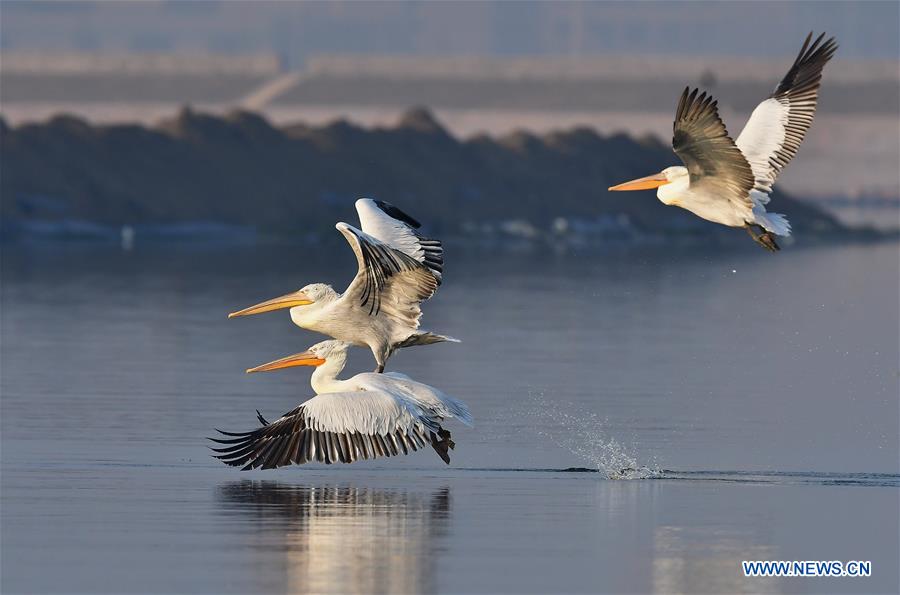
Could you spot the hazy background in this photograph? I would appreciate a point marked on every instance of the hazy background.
(480, 66)
(298, 31)
(752, 397)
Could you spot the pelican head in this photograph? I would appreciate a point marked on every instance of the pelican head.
(666, 176)
(311, 294)
(331, 351)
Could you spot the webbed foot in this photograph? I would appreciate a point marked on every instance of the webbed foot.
(764, 238)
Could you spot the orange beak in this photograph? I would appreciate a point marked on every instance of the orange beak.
(646, 183)
(298, 298)
(306, 358)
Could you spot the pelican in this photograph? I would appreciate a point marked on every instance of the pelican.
(729, 182)
(398, 269)
(364, 417)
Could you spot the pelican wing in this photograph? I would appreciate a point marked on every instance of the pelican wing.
(778, 125)
(388, 281)
(423, 395)
(715, 164)
(336, 427)
(386, 223)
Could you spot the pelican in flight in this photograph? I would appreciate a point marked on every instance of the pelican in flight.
(728, 181)
(380, 309)
(364, 417)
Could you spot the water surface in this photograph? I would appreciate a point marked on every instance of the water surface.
(758, 395)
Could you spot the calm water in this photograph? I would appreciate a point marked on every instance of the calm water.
(757, 395)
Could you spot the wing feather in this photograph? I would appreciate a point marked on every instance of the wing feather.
(336, 427)
(388, 281)
(772, 135)
(423, 395)
(701, 140)
(388, 224)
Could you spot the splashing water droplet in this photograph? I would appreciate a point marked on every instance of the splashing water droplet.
(586, 436)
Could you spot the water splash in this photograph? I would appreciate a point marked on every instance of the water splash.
(587, 436)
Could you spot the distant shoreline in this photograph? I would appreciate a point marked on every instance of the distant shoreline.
(209, 175)
(868, 151)
(68, 232)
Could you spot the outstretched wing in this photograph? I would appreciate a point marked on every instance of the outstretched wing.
(388, 281)
(423, 395)
(386, 223)
(778, 125)
(335, 427)
(715, 164)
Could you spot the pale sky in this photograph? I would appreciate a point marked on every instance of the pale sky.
(297, 30)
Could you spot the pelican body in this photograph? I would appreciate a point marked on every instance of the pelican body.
(728, 181)
(367, 416)
(380, 309)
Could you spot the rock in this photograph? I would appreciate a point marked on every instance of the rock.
(241, 170)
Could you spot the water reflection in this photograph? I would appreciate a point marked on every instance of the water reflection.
(145, 364)
(687, 560)
(342, 539)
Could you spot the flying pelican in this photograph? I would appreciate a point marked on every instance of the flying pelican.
(398, 269)
(727, 181)
(364, 417)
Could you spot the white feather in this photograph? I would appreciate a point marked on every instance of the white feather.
(774, 222)
(365, 412)
(425, 396)
(761, 138)
(383, 227)
(424, 402)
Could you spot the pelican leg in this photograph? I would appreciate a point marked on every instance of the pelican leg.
(381, 355)
(442, 444)
(764, 238)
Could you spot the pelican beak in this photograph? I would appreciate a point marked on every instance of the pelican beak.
(307, 358)
(645, 183)
(298, 298)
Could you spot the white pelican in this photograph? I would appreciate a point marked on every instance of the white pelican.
(364, 417)
(398, 269)
(727, 181)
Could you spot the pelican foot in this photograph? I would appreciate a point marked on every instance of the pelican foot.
(443, 445)
(764, 238)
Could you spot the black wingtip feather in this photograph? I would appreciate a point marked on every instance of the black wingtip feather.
(229, 441)
(392, 211)
(806, 71)
(289, 440)
(239, 434)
